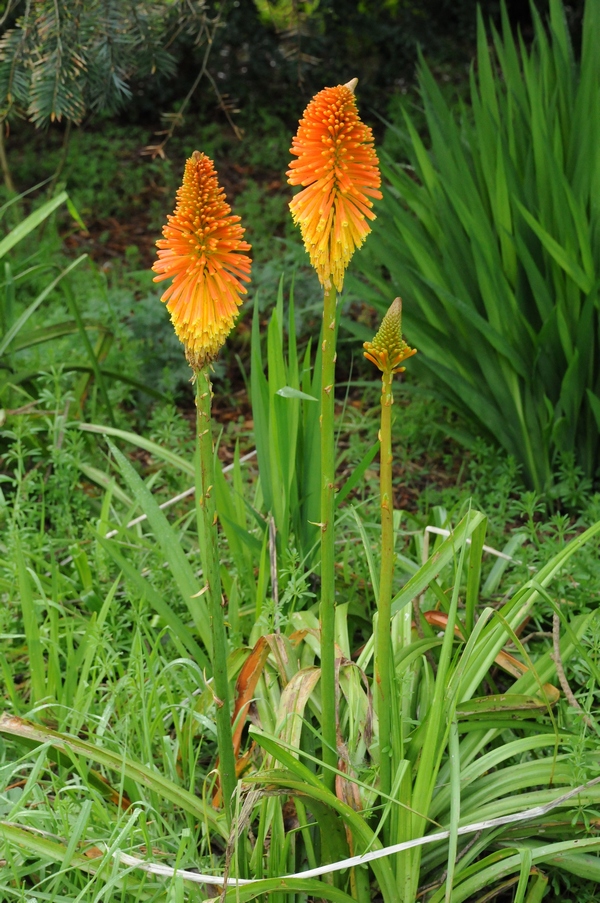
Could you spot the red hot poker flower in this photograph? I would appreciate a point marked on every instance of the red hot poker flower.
(202, 251)
(339, 169)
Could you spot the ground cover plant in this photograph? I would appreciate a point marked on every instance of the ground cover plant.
(190, 711)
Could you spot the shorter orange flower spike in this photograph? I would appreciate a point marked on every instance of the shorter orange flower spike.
(388, 349)
(339, 169)
(202, 252)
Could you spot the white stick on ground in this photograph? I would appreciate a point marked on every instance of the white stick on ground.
(156, 868)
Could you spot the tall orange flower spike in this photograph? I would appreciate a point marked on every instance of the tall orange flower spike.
(202, 251)
(339, 169)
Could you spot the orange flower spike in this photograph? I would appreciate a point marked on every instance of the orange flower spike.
(202, 252)
(339, 170)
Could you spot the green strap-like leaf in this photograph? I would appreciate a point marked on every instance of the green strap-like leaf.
(31, 222)
(20, 323)
(144, 775)
(189, 585)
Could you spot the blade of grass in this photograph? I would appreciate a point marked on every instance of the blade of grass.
(523, 876)
(537, 887)
(144, 775)
(20, 322)
(55, 331)
(170, 547)
(31, 222)
(207, 537)
(74, 308)
(37, 845)
(357, 474)
(474, 575)
(37, 667)
(164, 454)
(454, 758)
(441, 557)
(117, 377)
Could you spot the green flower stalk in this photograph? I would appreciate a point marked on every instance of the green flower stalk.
(387, 351)
(202, 252)
(327, 606)
(209, 554)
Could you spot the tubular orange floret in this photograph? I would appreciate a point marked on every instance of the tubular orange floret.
(202, 251)
(339, 169)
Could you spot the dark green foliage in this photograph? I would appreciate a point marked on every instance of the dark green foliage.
(492, 236)
(281, 53)
(63, 59)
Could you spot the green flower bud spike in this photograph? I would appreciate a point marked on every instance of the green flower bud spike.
(387, 351)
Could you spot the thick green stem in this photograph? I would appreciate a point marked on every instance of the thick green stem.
(207, 534)
(327, 607)
(383, 658)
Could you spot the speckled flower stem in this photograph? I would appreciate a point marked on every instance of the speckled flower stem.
(327, 606)
(207, 534)
(383, 657)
